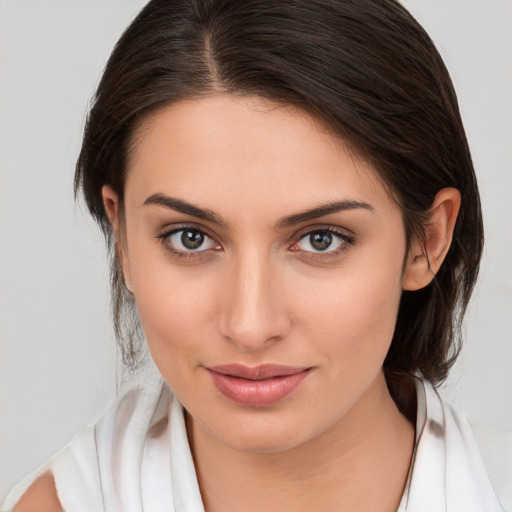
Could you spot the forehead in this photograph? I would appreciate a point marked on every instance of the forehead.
(235, 151)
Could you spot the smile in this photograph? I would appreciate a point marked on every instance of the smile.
(258, 386)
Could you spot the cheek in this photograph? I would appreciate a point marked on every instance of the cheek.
(353, 315)
(173, 319)
(174, 305)
(167, 308)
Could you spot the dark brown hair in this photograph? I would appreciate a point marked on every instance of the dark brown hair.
(364, 67)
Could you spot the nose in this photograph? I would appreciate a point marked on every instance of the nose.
(253, 313)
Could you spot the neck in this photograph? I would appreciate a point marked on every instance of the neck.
(346, 468)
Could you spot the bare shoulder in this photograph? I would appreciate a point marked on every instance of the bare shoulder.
(41, 496)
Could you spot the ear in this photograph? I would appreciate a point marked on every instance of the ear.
(112, 208)
(426, 256)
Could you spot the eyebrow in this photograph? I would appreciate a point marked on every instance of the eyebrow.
(322, 210)
(187, 208)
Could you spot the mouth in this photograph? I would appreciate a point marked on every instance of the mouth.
(259, 386)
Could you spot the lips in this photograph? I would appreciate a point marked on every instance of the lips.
(258, 386)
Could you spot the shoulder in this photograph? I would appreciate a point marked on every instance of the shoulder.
(86, 471)
(496, 449)
(470, 463)
(67, 480)
(41, 496)
(478, 445)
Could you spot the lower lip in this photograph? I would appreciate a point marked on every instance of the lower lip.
(257, 393)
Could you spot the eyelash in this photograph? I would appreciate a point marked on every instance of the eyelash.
(347, 241)
(165, 236)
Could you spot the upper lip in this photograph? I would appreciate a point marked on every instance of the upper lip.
(261, 372)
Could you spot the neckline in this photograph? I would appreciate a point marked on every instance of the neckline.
(446, 470)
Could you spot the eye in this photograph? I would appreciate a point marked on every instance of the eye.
(326, 241)
(191, 240)
(185, 241)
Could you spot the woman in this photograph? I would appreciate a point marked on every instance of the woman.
(291, 205)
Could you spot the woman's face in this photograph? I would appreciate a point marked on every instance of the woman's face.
(253, 237)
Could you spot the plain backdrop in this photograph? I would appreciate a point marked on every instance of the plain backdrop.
(58, 367)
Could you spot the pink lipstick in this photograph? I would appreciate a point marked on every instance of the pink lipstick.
(258, 386)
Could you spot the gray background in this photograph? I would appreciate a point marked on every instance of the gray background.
(58, 367)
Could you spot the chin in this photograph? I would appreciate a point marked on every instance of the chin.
(264, 432)
(266, 442)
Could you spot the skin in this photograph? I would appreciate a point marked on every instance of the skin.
(41, 496)
(259, 292)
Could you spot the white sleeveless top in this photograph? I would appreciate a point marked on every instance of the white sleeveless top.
(137, 458)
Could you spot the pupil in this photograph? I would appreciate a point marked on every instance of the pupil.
(192, 239)
(321, 241)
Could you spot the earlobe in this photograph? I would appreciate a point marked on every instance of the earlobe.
(426, 256)
(112, 209)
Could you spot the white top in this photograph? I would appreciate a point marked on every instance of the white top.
(137, 457)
